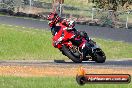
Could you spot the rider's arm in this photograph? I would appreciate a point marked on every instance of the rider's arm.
(51, 24)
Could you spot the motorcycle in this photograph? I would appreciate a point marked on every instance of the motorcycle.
(63, 40)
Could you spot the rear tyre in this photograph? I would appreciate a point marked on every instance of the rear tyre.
(69, 54)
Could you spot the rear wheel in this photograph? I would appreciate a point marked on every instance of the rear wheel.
(73, 56)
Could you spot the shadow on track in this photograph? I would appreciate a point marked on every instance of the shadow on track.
(123, 63)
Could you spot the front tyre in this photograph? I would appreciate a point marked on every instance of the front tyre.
(71, 56)
(99, 56)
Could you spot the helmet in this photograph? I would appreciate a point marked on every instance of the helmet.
(54, 17)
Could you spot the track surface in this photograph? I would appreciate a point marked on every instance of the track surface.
(93, 31)
(101, 32)
(51, 63)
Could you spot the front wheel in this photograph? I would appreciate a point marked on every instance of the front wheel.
(99, 56)
(70, 55)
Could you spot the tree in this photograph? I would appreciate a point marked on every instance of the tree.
(56, 6)
(9, 4)
(111, 4)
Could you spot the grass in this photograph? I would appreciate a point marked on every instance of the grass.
(115, 49)
(18, 43)
(79, 3)
(23, 43)
(51, 82)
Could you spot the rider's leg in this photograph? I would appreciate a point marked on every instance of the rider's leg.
(85, 49)
(83, 45)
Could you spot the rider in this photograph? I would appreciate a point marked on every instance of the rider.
(54, 19)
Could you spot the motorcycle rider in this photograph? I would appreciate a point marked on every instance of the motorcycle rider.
(81, 38)
(54, 19)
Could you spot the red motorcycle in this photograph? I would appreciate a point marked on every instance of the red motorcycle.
(63, 40)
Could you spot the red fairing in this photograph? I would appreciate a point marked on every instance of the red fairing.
(62, 36)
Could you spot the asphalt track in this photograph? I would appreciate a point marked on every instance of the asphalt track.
(93, 31)
(68, 63)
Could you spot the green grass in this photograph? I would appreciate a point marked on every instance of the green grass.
(76, 3)
(23, 43)
(51, 82)
(115, 49)
(17, 43)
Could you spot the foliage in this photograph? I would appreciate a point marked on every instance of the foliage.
(11, 4)
(8, 4)
(111, 4)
